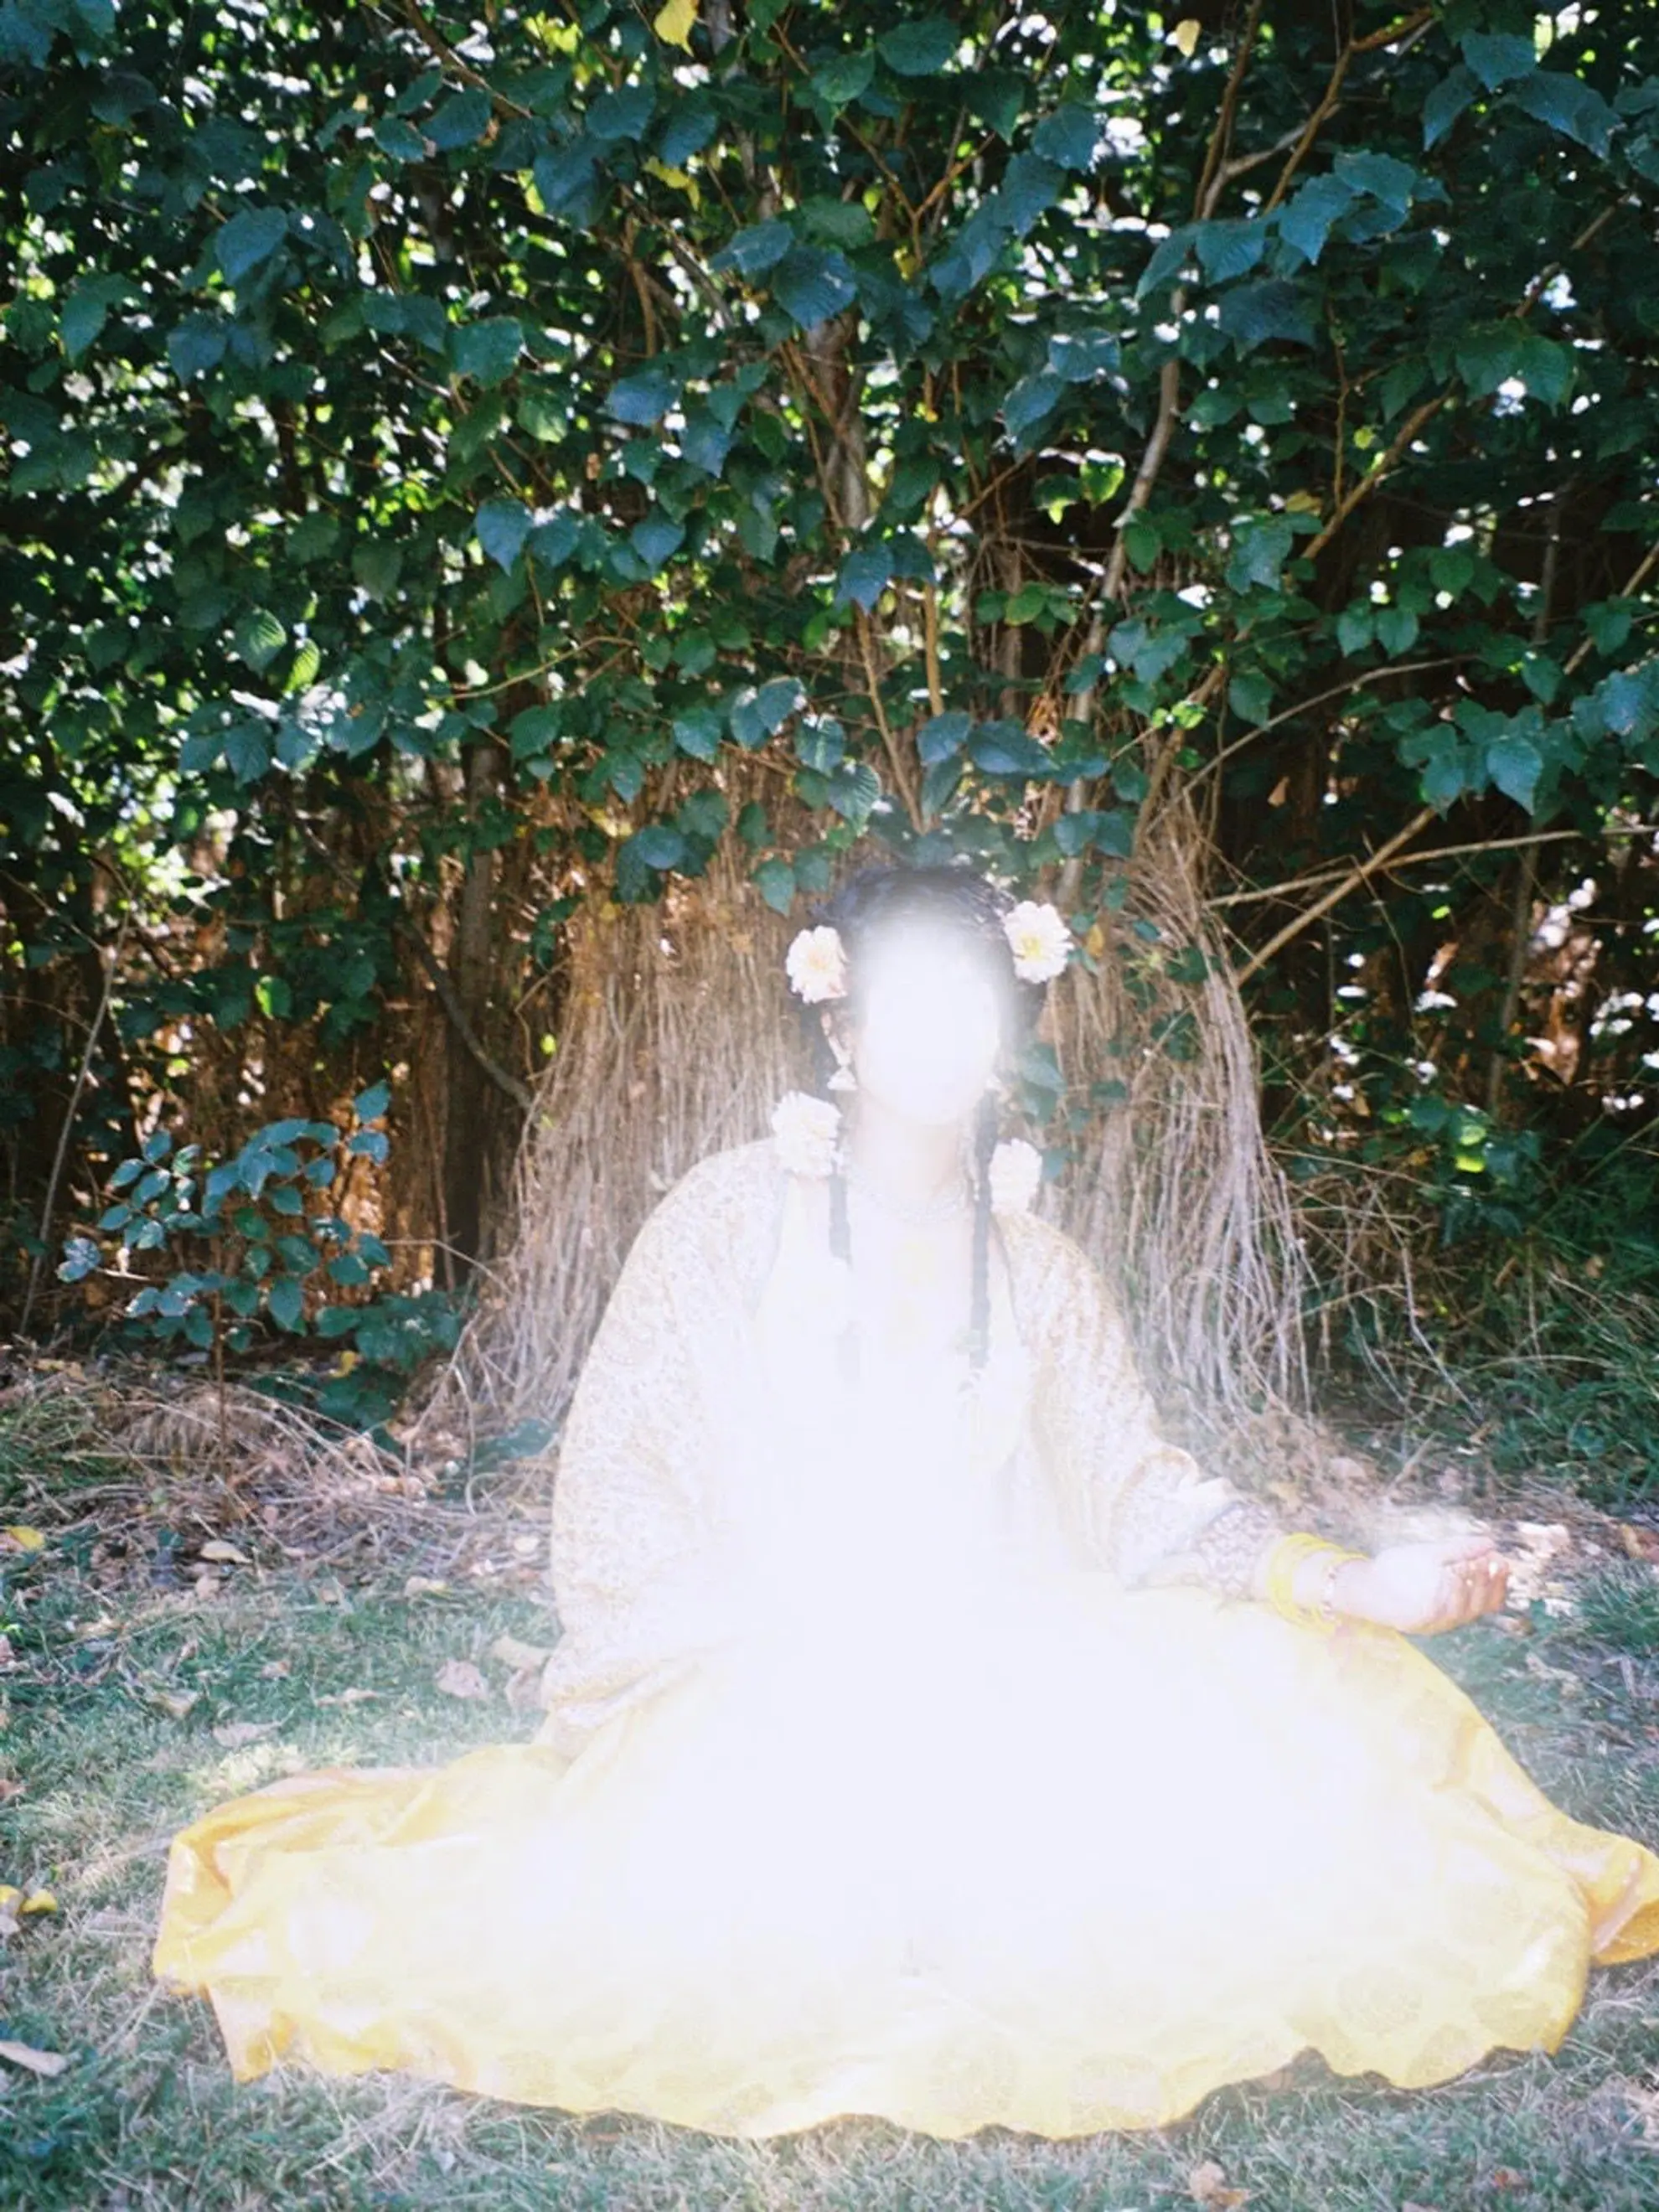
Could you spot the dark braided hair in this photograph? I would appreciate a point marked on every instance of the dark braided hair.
(955, 896)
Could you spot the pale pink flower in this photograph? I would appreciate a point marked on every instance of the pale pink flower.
(1015, 1171)
(1039, 939)
(804, 1130)
(816, 964)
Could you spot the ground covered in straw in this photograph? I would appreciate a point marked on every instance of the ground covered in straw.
(186, 1627)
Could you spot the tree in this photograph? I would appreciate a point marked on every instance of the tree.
(458, 463)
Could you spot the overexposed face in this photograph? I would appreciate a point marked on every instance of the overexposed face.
(928, 1038)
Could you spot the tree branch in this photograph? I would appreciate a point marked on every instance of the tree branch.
(1352, 881)
(449, 1000)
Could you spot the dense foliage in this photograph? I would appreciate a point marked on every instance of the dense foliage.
(456, 460)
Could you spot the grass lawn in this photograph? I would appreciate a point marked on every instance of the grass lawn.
(133, 1700)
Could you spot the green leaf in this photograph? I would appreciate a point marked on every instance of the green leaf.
(1251, 699)
(864, 573)
(1070, 135)
(920, 48)
(1306, 219)
(1568, 105)
(1228, 249)
(1003, 749)
(486, 351)
(1609, 623)
(502, 525)
(1081, 355)
(461, 121)
(826, 221)
(1489, 357)
(697, 731)
(86, 311)
(1262, 545)
(642, 398)
(1547, 368)
(257, 638)
(1142, 543)
(811, 283)
(1355, 627)
(1397, 630)
(774, 880)
(1446, 103)
(1029, 186)
(247, 240)
(1451, 568)
(756, 715)
(1496, 58)
(1033, 400)
(1541, 675)
(658, 845)
(704, 814)
(1169, 258)
(838, 82)
(1514, 765)
(1253, 314)
(534, 732)
(286, 1301)
(401, 140)
(1381, 176)
(941, 738)
(656, 540)
(620, 117)
(369, 1105)
(377, 563)
(752, 252)
(196, 345)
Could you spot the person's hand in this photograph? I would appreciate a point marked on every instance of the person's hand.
(1422, 1588)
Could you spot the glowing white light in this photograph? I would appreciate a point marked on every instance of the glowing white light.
(931, 1024)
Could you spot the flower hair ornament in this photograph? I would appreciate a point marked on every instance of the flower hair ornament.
(1036, 933)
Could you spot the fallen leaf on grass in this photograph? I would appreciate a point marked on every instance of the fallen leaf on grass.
(352, 1697)
(423, 1586)
(23, 1538)
(1505, 2177)
(1640, 1543)
(10, 1787)
(225, 1554)
(234, 1734)
(511, 1653)
(1206, 2184)
(174, 1703)
(38, 2062)
(275, 1670)
(7, 1656)
(38, 1900)
(459, 1678)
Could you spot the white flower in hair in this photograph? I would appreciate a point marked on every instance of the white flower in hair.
(1039, 939)
(1015, 1171)
(816, 964)
(804, 1131)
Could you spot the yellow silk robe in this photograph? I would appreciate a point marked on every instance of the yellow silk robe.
(899, 1758)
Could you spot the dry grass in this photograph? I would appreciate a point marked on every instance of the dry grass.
(679, 1033)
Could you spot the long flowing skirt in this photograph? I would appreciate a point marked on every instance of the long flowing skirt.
(1065, 1866)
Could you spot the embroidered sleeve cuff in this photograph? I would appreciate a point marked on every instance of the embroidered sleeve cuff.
(1231, 1547)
